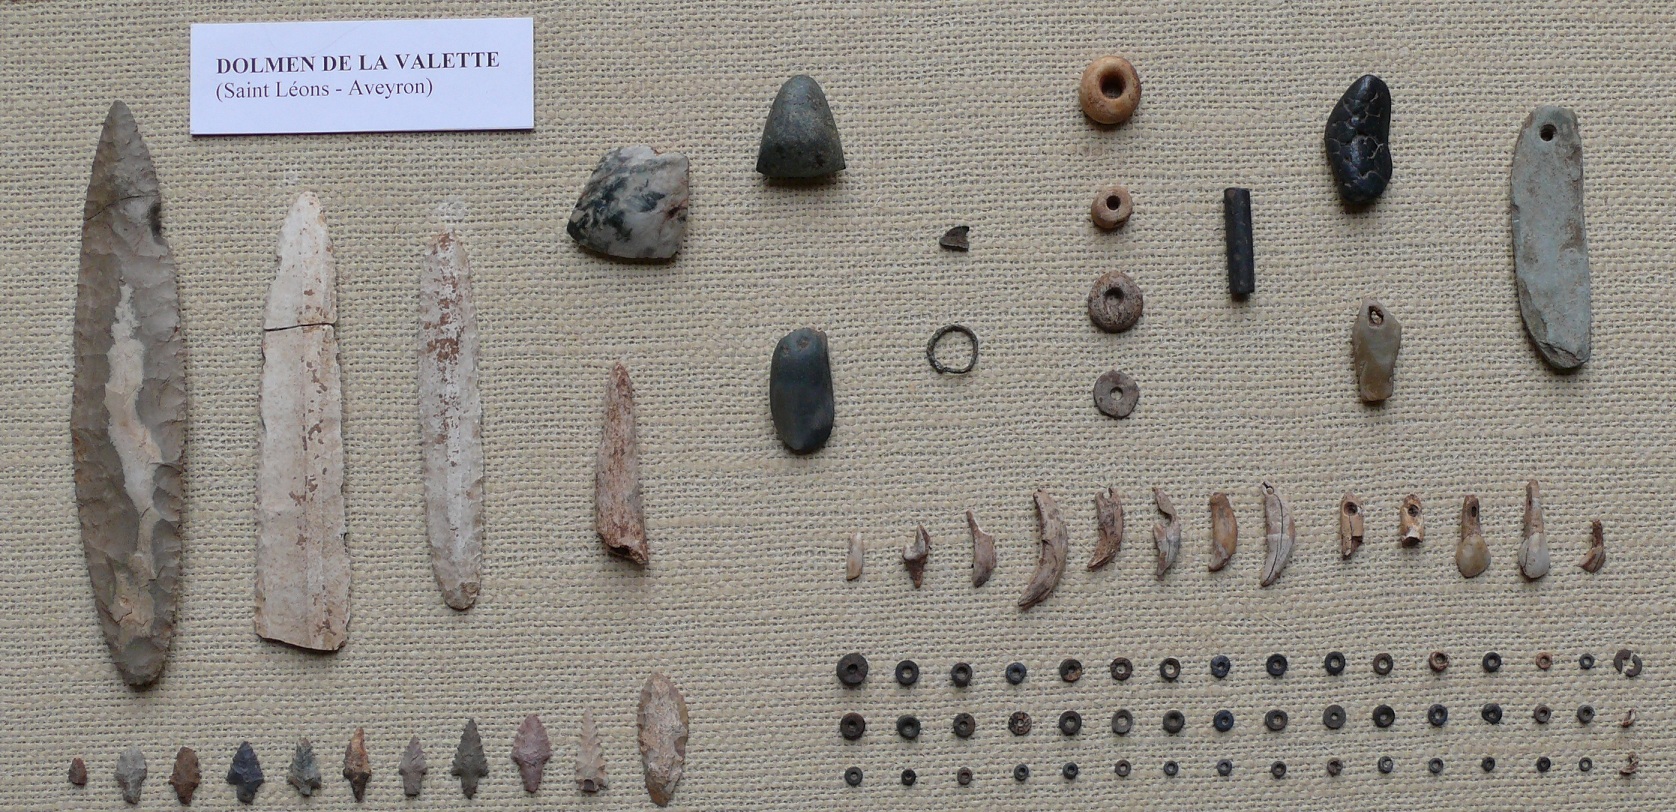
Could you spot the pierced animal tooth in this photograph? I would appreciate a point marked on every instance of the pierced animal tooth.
(1595, 558)
(853, 563)
(1280, 533)
(983, 552)
(1108, 512)
(1533, 552)
(1166, 535)
(1350, 516)
(1411, 524)
(1628, 719)
(914, 556)
(1224, 531)
(1056, 541)
(1472, 555)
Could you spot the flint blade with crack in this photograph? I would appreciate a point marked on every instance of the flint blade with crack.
(302, 562)
(128, 404)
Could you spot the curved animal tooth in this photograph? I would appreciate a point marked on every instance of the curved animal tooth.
(663, 736)
(1224, 531)
(983, 552)
(1595, 558)
(856, 558)
(1108, 513)
(1056, 541)
(1166, 535)
(451, 421)
(128, 404)
(1533, 552)
(1411, 522)
(1472, 555)
(915, 555)
(1350, 516)
(1280, 533)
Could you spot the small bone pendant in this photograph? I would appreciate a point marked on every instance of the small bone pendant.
(1411, 525)
(1224, 532)
(1595, 558)
(1166, 535)
(857, 556)
(1472, 555)
(915, 555)
(1350, 516)
(983, 552)
(1533, 551)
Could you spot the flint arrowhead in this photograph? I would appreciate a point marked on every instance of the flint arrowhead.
(412, 769)
(130, 775)
(305, 769)
(1550, 244)
(800, 139)
(246, 774)
(302, 563)
(451, 421)
(186, 775)
(590, 757)
(128, 404)
(357, 767)
(470, 765)
(634, 206)
(663, 736)
(530, 751)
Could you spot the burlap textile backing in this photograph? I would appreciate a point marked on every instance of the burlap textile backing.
(951, 113)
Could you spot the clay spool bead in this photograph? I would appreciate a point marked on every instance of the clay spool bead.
(1111, 207)
(1115, 302)
(1110, 90)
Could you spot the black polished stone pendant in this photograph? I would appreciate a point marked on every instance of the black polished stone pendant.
(800, 390)
(1358, 140)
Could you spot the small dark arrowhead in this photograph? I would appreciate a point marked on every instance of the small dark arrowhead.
(1359, 140)
(413, 769)
(800, 139)
(800, 390)
(955, 238)
(246, 774)
(470, 765)
(305, 770)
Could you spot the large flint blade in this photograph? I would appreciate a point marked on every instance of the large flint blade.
(302, 563)
(450, 421)
(128, 406)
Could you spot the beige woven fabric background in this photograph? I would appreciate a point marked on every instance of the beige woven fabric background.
(951, 112)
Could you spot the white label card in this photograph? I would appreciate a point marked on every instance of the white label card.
(372, 76)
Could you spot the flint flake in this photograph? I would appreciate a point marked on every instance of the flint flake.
(634, 206)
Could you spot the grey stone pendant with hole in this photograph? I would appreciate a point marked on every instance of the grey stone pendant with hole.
(800, 139)
(634, 206)
(1550, 244)
(800, 390)
(1375, 341)
(1358, 140)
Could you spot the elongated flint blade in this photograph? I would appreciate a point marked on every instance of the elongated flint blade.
(1550, 243)
(302, 562)
(450, 421)
(128, 404)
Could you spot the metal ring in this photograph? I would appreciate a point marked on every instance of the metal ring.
(931, 350)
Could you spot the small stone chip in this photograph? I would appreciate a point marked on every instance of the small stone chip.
(78, 772)
(955, 238)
